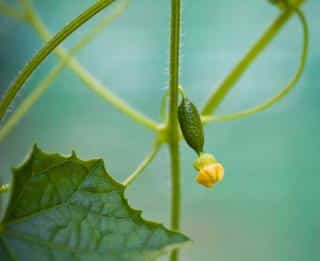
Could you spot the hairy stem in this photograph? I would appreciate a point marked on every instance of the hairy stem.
(217, 97)
(173, 128)
(282, 93)
(142, 166)
(163, 105)
(47, 49)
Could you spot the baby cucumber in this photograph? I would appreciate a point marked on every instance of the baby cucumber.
(190, 124)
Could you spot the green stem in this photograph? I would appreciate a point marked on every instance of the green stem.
(86, 77)
(7, 10)
(163, 105)
(28, 102)
(4, 188)
(146, 161)
(47, 49)
(173, 128)
(283, 92)
(217, 97)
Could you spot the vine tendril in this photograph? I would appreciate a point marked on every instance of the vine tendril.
(284, 91)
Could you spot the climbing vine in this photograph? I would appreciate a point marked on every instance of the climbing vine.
(83, 192)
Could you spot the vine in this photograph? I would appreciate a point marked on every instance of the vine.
(228, 83)
(167, 132)
(68, 60)
(265, 105)
(47, 49)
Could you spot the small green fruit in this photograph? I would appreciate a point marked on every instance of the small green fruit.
(190, 124)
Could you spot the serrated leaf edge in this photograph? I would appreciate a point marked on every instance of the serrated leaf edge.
(136, 214)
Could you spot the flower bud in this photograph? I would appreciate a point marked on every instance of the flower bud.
(210, 174)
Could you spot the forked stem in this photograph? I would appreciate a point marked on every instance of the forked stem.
(66, 59)
(84, 75)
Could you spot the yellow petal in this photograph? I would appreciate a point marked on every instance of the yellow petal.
(204, 180)
(210, 175)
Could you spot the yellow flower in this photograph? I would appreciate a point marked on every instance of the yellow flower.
(210, 174)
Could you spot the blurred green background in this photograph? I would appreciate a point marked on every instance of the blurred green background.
(267, 208)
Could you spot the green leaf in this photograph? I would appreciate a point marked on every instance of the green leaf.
(67, 209)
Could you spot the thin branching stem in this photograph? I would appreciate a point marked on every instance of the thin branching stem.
(142, 166)
(241, 67)
(86, 77)
(267, 104)
(47, 49)
(28, 102)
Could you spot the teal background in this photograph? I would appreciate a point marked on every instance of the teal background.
(267, 208)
